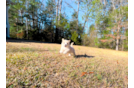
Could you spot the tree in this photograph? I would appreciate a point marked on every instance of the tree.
(60, 6)
(92, 36)
(106, 20)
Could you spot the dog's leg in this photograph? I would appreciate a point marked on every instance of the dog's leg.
(61, 50)
(66, 51)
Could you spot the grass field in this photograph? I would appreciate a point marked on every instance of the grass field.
(40, 65)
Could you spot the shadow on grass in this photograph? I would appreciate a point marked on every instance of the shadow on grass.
(29, 50)
(26, 50)
(86, 56)
(24, 41)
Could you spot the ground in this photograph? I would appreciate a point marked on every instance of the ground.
(40, 65)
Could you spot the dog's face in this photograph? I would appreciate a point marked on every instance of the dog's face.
(65, 43)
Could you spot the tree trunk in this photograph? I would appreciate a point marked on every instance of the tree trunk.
(17, 27)
(56, 35)
(60, 11)
(33, 21)
(83, 29)
(85, 21)
(56, 32)
(117, 43)
(21, 22)
(7, 23)
(26, 21)
(78, 14)
(26, 28)
(117, 38)
(57, 5)
(113, 4)
(122, 45)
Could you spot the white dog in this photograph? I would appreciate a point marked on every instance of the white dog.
(66, 47)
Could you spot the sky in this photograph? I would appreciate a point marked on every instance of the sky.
(69, 11)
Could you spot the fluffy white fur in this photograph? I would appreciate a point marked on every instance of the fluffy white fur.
(66, 47)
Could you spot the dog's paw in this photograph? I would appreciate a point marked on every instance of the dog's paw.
(64, 52)
(69, 54)
(60, 51)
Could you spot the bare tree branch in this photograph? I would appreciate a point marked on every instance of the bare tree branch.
(70, 6)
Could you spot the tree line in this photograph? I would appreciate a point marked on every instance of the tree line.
(46, 20)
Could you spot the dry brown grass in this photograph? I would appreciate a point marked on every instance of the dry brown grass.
(41, 65)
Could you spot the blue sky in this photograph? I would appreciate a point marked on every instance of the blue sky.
(69, 11)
